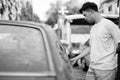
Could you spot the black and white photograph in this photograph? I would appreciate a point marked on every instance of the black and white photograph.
(59, 40)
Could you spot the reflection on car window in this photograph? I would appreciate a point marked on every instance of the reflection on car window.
(63, 53)
(65, 58)
(22, 49)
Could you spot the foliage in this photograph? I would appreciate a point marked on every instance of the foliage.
(27, 13)
(17, 10)
(9, 10)
(73, 6)
(53, 13)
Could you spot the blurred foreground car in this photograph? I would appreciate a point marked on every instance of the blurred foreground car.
(31, 51)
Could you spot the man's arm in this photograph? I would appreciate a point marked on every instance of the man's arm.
(118, 49)
(115, 32)
(83, 54)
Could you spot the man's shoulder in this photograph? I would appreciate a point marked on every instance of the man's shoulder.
(109, 22)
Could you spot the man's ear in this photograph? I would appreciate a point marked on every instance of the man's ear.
(91, 11)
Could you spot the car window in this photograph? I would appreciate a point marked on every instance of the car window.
(22, 50)
(63, 53)
(65, 58)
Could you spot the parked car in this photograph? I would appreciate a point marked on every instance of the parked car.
(32, 51)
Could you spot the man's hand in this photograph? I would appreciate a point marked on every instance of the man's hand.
(73, 62)
(73, 59)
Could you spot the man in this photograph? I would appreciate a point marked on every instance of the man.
(104, 38)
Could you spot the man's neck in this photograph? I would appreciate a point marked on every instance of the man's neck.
(98, 18)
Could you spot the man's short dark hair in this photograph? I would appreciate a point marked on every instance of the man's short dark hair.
(89, 6)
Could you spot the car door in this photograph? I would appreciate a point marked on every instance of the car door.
(68, 69)
(23, 53)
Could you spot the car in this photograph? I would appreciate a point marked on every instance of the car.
(32, 51)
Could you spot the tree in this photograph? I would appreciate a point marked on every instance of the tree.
(9, 9)
(73, 6)
(27, 13)
(17, 10)
(53, 13)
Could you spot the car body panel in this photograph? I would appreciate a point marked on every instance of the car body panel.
(19, 42)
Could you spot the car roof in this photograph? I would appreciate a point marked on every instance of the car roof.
(23, 23)
(31, 24)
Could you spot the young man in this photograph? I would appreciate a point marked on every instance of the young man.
(104, 38)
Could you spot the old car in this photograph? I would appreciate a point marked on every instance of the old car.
(32, 51)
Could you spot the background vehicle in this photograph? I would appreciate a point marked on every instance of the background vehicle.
(31, 51)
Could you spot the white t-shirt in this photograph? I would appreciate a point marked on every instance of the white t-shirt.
(104, 37)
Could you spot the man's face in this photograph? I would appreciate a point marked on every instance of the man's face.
(88, 16)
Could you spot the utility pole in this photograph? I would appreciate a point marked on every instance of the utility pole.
(62, 11)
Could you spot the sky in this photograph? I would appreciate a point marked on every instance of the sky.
(41, 6)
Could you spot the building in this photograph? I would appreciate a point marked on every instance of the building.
(79, 29)
(108, 7)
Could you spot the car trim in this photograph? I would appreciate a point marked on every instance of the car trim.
(48, 51)
(26, 74)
